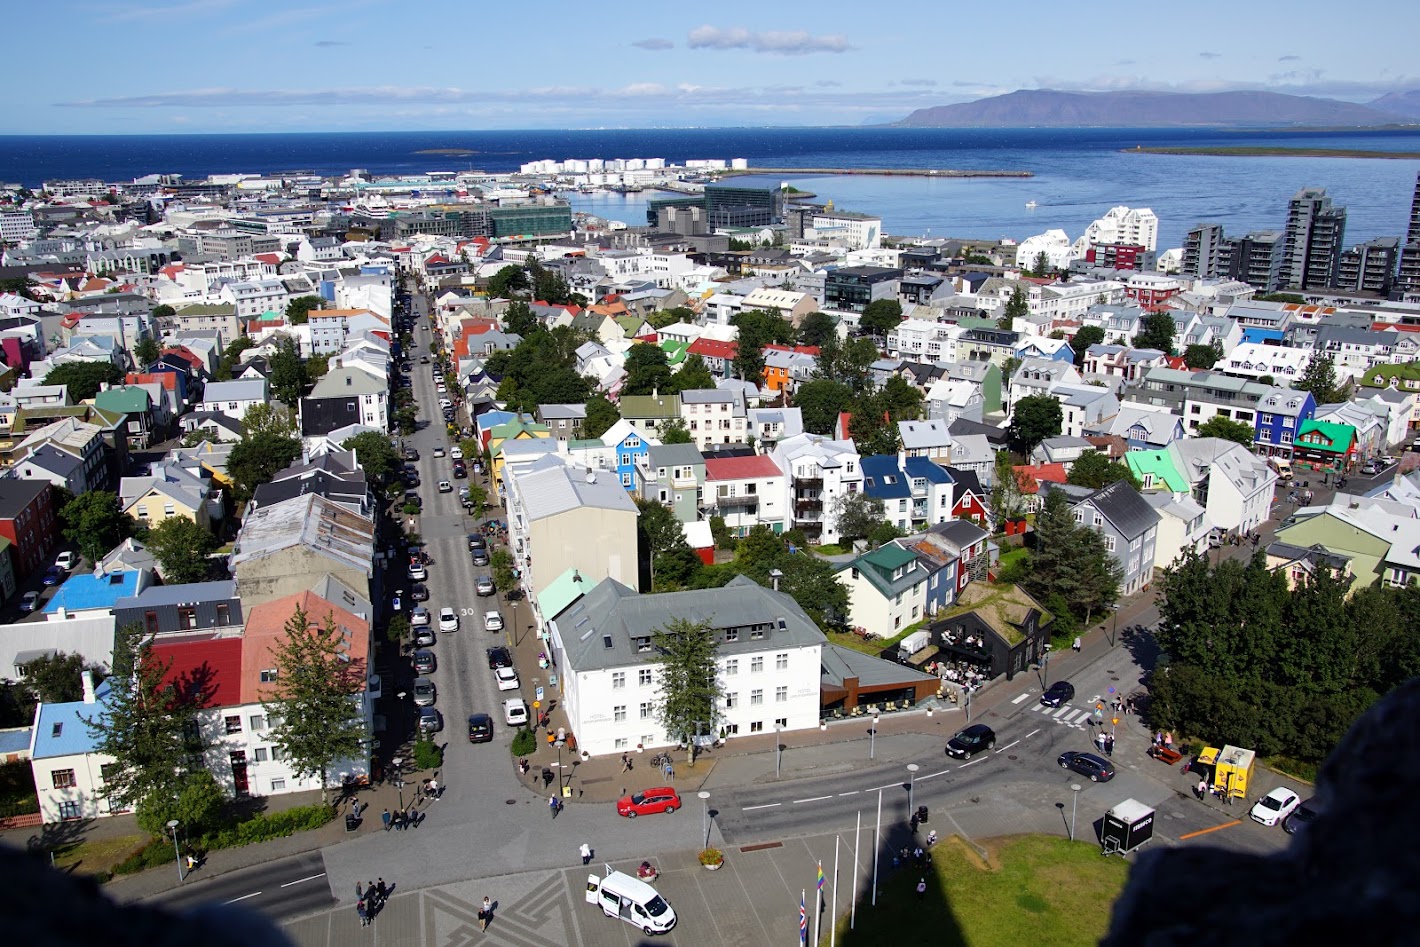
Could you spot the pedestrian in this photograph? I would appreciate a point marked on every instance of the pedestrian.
(914, 823)
(381, 890)
(1168, 741)
(1076, 644)
(586, 852)
(670, 771)
(1109, 745)
(363, 912)
(359, 891)
(485, 914)
(553, 805)
(434, 791)
(1202, 791)
(921, 888)
(398, 820)
(412, 820)
(385, 818)
(625, 762)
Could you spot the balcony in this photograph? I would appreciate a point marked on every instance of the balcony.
(751, 499)
(809, 483)
(807, 505)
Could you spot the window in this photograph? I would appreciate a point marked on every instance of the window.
(268, 676)
(781, 695)
(63, 778)
(257, 721)
(781, 662)
(234, 723)
(732, 667)
(643, 643)
(618, 680)
(648, 710)
(782, 722)
(756, 665)
(618, 713)
(260, 754)
(732, 700)
(142, 512)
(755, 635)
(224, 614)
(732, 634)
(756, 696)
(69, 810)
(276, 754)
(278, 785)
(169, 509)
(644, 677)
(732, 728)
(757, 727)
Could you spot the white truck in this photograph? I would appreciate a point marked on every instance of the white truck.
(631, 899)
(912, 644)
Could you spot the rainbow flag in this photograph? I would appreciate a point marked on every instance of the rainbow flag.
(820, 876)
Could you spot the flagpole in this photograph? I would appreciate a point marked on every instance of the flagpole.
(803, 919)
(877, 843)
(857, 841)
(833, 915)
(818, 903)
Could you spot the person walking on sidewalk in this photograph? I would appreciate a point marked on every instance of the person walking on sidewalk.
(1075, 646)
(385, 818)
(364, 913)
(586, 853)
(485, 914)
(381, 892)
(554, 804)
(625, 762)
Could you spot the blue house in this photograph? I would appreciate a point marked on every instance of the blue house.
(1056, 350)
(88, 592)
(1280, 414)
(68, 770)
(630, 448)
(913, 490)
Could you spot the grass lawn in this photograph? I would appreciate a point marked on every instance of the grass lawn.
(876, 646)
(829, 549)
(1036, 890)
(92, 858)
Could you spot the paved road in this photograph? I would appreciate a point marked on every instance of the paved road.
(290, 887)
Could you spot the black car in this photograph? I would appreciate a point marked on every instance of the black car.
(1058, 693)
(460, 472)
(476, 541)
(420, 592)
(411, 454)
(499, 658)
(1299, 818)
(424, 662)
(971, 741)
(480, 728)
(1099, 769)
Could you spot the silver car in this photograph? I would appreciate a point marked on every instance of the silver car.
(424, 693)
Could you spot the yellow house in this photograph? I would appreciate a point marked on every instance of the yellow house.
(511, 431)
(169, 491)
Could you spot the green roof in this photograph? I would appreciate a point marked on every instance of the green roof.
(675, 351)
(1002, 606)
(1380, 375)
(130, 399)
(564, 590)
(1160, 464)
(648, 406)
(889, 557)
(1335, 438)
(205, 309)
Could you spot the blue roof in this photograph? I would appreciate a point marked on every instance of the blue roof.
(926, 469)
(1259, 334)
(90, 591)
(61, 730)
(883, 479)
(15, 741)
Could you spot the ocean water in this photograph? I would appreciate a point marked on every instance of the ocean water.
(1078, 173)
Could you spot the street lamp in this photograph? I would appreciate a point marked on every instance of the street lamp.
(399, 777)
(705, 801)
(911, 788)
(778, 750)
(1075, 804)
(172, 827)
(873, 738)
(1113, 635)
(1045, 667)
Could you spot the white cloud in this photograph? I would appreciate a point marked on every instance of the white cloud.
(653, 43)
(794, 43)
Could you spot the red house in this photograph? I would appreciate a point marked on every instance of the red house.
(28, 519)
(969, 500)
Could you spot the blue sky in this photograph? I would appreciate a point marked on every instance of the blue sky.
(115, 66)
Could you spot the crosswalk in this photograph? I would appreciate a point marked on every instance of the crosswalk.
(1066, 715)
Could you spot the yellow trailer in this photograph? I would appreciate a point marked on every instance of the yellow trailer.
(1229, 769)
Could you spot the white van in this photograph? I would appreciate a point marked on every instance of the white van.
(1282, 466)
(632, 900)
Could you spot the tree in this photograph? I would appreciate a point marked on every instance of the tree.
(1319, 378)
(257, 459)
(1017, 307)
(315, 701)
(856, 515)
(146, 351)
(1008, 504)
(1070, 563)
(693, 375)
(163, 311)
(500, 563)
(757, 329)
(1228, 430)
(198, 803)
(601, 415)
(646, 370)
(813, 585)
(674, 431)
(1157, 333)
(519, 318)
(820, 403)
(903, 402)
(871, 427)
(1200, 357)
(1042, 265)
(276, 420)
(1033, 419)
(84, 379)
(288, 373)
(298, 310)
(95, 522)
(1094, 469)
(816, 327)
(884, 532)
(506, 282)
(397, 630)
(376, 456)
(880, 317)
(1084, 338)
(317, 366)
(687, 702)
(56, 678)
(182, 547)
(149, 725)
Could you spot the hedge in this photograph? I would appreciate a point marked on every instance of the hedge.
(261, 828)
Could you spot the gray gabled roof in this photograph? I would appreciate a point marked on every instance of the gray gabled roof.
(1125, 509)
(670, 455)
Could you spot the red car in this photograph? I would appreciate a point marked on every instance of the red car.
(648, 802)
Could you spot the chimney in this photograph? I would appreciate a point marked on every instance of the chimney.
(88, 678)
(775, 575)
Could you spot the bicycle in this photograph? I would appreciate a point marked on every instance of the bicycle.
(661, 760)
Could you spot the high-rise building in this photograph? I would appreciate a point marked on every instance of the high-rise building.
(1412, 235)
(1256, 259)
(1313, 240)
(1201, 249)
(729, 206)
(1369, 267)
(1408, 279)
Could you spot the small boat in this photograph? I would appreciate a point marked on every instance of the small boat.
(1030, 205)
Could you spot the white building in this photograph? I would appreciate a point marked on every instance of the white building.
(1122, 225)
(768, 659)
(820, 470)
(713, 416)
(746, 491)
(1053, 243)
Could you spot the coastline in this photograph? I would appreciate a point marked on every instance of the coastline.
(1263, 151)
(880, 172)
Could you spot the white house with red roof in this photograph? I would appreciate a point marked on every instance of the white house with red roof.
(747, 492)
(718, 355)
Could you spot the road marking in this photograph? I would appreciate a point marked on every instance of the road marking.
(851, 792)
(300, 880)
(243, 897)
(881, 788)
(813, 799)
(940, 772)
(1031, 734)
(972, 763)
(1008, 746)
(767, 805)
(1225, 825)
(1065, 708)
(1020, 698)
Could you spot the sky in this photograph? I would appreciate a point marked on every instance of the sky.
(129, 66)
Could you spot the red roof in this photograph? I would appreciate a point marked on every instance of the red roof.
(273, 258)
(1175, 361)
(436, 259)
(171, 270)
(713, 348)
(205, 665)
(801, 349)
(1030, 477)
(186, 354)
(167, 379)
(740, 468)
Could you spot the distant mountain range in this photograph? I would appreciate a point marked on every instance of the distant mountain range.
(1047, 107)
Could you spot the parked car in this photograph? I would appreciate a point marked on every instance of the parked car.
(971, 741)
(423, 360)
(515, 712)
(67, 560)
(456, 453)
(1097, 768)
(499, 658)
(420, 592)
(507, 678)
(1058, 693)
(648, 802)
(460, 471)
(492, 621)
(417, 572)
(430, 721)
(480, 728)
(1299, 818)
(55, 575)
(411, 454)
(425, 662)
(1370, 468)
(476, 541)
(483, 585)
(29, 601)
(1275, 806)
(448, 619)
(424, 693)
(480, 557)
(423, 637)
